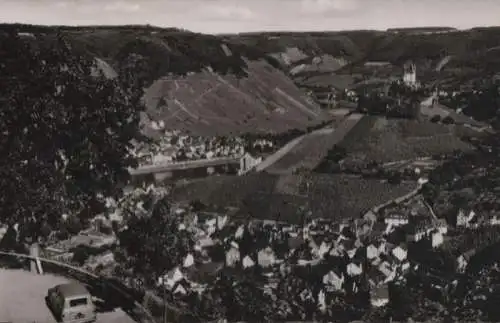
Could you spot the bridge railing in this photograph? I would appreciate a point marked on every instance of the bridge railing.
(189, 162)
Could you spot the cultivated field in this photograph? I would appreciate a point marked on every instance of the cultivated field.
(386, 140)
(267, 196)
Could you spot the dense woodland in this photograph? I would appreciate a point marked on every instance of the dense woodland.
(66, 136)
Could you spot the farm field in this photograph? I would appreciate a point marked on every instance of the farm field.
(275, 197)
(313, 148)
(387, 140)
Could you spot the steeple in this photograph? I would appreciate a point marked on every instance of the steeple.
(410, 74)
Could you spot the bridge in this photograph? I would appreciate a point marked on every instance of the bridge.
(190, 164)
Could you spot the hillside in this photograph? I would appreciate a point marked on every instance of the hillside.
(442, 54)
(193, 82)
(250, 82)
(278, 197)
(386, 140)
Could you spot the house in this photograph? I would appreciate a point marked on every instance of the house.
(437, 239)
(239, 232)
(370, 217)
(188, 261)
(181, 287)
(388, 270)
(324, 248)
(233, 255)
(463, 260)
(354, 268)
(171, 278)
(417, 231)
(379, 296)
(464, 218)
(204, 242)
(495, 220)
(400, 253)
(221, 221)
(396, 219)
(248, 262)
(322, 301)
(442, 226)
(372, 252)
(248, 162)
(210, 226)
(374, 249)
(266, 257)
(333, 280)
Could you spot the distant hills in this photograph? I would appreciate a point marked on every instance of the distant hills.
(251, 82)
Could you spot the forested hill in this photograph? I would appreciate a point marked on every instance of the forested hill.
(194, 82)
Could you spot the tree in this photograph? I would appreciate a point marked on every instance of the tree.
(154, 243)
(67, 131)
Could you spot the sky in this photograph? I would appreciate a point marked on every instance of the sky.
(232, 16)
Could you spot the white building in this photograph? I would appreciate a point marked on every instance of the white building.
(334, 280)
(247, 162)
(410, 74)
(437, 239)
(396, 219)
(464, 219)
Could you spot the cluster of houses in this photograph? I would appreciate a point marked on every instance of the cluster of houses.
(345, 260)
(175, 146)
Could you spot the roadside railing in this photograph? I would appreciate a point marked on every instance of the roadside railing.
(133, 307)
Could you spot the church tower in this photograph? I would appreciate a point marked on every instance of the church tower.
(410, 74)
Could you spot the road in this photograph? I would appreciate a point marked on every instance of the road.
(22, 298)
(279, 154)
(339, 133)
(90, 277)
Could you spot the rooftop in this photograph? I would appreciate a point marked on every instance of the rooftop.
(22, 298)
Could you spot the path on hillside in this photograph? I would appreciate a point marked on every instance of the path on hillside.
(278, 154)
(334, 136)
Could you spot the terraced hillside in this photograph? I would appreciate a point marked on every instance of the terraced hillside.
(265, 101)
(266, 196)
(385, 140)
(309, 152)
(194, 82)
